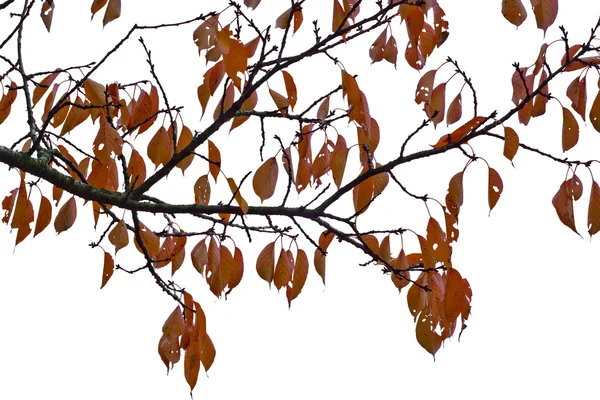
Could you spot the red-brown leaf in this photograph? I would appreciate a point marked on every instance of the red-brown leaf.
(265, 179)
(66, 216)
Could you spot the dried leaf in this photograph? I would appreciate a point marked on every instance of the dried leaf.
(214, 155)
(511, 143)
(118, 236)
(594, 210)
(570, 130)
(495, 187)
(265, 263)
(202, 191)
(44, 216)
(66, 216)
(265, 179)
(514, 11)
(108, 269)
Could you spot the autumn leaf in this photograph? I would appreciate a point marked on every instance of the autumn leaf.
(46, 13)
(202, 191)
(339, 157)
(563, 204)
(265, 179)
(237, 195)
(118, 236)
(290, 89)
(66, 216)
(594, 210)
(511, 143)
(454, 110)
(113, 11)
(545, 12)
(378, 47)
(570, 130)
(44, 216)
(283, 269)
(265, 263)
(280, 100)
(495, 187)
(108, 269)
(514, 11)
(214, 156)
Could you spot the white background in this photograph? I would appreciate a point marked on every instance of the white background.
(534, 325)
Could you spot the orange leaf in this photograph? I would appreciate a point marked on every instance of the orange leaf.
(577, 93)
(199, 256)
(514, 11)
(362, 194)
(280, 100)
(265, 263)
(511, 143)
(202, 191)
(107, 142)
(97, 5)
(380, 182)
(149, 239)
(570, 130)
(459, 133)
(338, 17)
(290, 89)
(455, 188)
(191, 362)
(594, 210)
(545, 12)
(457, 296)
(214, 155)
(437, 241)
(66, 216)
(118, 236)
(437, 103)
(225, 104)
(108, 269)
(40, 89)
(319, 262)
(247, 105)
(283, 269)
(174, 325)
(75, 117)
(265, 179)
(283, 21)
(300, 274)
(44, 216)
(495, 187)
(235, 62)
(136, 169)
(160, 147)
(339, 157)
(237, 195)
(401, 279)
(427, 337)
(425, 87)
(185, 138)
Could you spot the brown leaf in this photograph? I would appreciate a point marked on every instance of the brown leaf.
(136, 169)
(425, 87)
(44, 216)
(594, 210)
(495, 187)
(595, 113)
(46, 14)
(202, 191)
(43, 86)
(280, 100)
(108, 269)
(265, 263)
(300, 274)
(66, 216)
(214, 155)
(514, 11)
(563, 204)
(160, 147)
(237, 195)
(339, 157)
(283, 269)
(265, 179)
(378, 47)
(570, 130)
(437, 103)
(199, 256)
(545, 12)
(113, 11)
(511, 143)
(454, 110)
